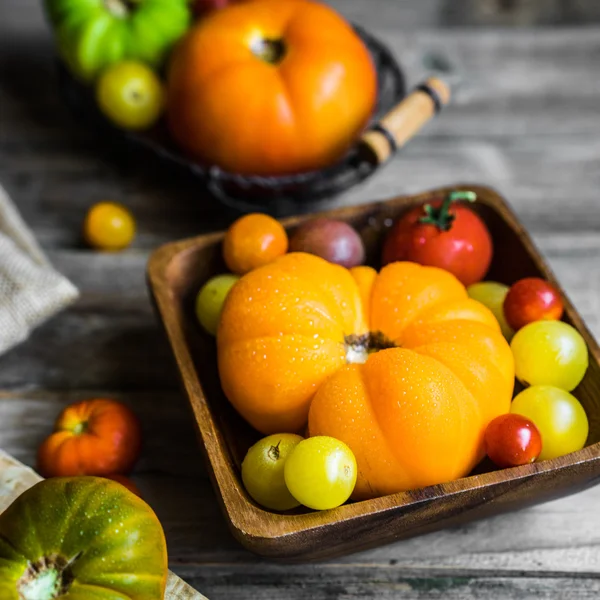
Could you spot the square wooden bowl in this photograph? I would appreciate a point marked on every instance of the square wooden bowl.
(176, 272)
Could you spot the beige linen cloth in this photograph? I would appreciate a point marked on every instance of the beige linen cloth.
(31, 291)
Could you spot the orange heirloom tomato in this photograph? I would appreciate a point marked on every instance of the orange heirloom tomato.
(81, 538)
(93, 437)
(270, 87)
(402, 366)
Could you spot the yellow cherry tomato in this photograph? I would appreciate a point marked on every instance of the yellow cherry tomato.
(263, 471)
(321, 472)
(559, 417)
(131, 95)
(109, 226)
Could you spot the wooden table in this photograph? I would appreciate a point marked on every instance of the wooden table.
(527, 122)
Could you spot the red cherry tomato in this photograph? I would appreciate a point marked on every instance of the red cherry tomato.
(532, 299)
(443, 234)
(512, 440)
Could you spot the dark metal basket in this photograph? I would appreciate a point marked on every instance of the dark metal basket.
(253, 191)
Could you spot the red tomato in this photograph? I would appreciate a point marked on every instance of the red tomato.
(512, 440)
(443, 234)
(532, 299)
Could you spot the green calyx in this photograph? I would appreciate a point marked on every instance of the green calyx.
(45, 586)
(441, 217)
(46, 579)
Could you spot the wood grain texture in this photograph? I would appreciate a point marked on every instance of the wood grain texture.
(508, 127)
(15, 478)
(526, 121)
(408, 14)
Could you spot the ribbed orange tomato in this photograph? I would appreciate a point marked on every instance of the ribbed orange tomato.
(93, 437)
(402, 365)
(270, 87)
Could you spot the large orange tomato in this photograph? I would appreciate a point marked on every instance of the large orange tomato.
(402, 365)
(270, 87)
(93, 437)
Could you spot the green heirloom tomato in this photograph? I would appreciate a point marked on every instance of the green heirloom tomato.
(93, 34)
(81, 538)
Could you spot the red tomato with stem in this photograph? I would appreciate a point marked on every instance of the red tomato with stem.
(532, 299)
(512, 440)
(443, 234)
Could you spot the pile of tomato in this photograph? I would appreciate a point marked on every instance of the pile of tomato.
(265, 87)
(550, 358)
(75, 532)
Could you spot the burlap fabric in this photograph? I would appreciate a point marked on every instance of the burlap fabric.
(31, 291)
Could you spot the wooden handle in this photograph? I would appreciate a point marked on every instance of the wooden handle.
(403, 121)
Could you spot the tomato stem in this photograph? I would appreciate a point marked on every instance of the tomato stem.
(271, 51)
(46, 579)
(80, 428)
(441, 217)
(274, 452)
(359, 347)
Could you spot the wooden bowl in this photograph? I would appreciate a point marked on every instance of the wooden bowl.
(176, 272)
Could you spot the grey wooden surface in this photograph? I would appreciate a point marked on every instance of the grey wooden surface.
(526, 122)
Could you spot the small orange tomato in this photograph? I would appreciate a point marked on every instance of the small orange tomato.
(109, 226)
(253, 241)
(125, 482)
(94, 437)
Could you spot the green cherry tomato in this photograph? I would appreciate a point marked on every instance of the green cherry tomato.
(263, 468)
(492, 294)
(550, 353)
(321, 472)
(558, 416)
(130, 95)
(210, 299)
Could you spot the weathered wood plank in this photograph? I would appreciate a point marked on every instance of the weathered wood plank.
(554, 538)
(406, 14)
(170, 447)
(15, 478)
(386, 584)
(504, 73)
(553, 187)
(110, 339)
(528, 123)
